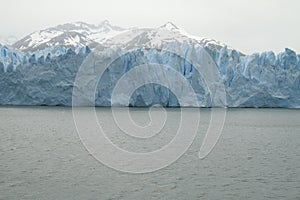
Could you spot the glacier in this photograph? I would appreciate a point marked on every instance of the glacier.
(47, 77)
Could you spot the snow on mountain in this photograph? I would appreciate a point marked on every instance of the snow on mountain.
(158, 37)
(70, 35)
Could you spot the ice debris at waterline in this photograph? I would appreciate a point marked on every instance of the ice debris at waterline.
(46, 77)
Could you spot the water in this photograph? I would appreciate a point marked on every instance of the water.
(257, 157)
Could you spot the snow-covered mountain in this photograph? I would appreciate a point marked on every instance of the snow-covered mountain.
(72, 35)
(158, 37)
(69, 35)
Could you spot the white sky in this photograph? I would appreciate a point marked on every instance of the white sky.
(247, 25)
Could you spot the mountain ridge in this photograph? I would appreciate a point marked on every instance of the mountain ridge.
(72, 35)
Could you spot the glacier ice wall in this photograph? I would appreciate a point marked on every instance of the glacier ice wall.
(41, 78)
(47, 77)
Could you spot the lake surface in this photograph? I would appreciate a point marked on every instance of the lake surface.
(257, 157)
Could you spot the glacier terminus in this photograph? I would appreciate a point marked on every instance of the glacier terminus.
(41, 68)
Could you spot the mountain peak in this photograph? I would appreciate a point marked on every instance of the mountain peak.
(169, 26)
(108, 26)
(105, 22)
(79, 33)
(70, 35)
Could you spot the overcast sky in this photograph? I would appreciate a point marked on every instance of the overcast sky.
(247, 25)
